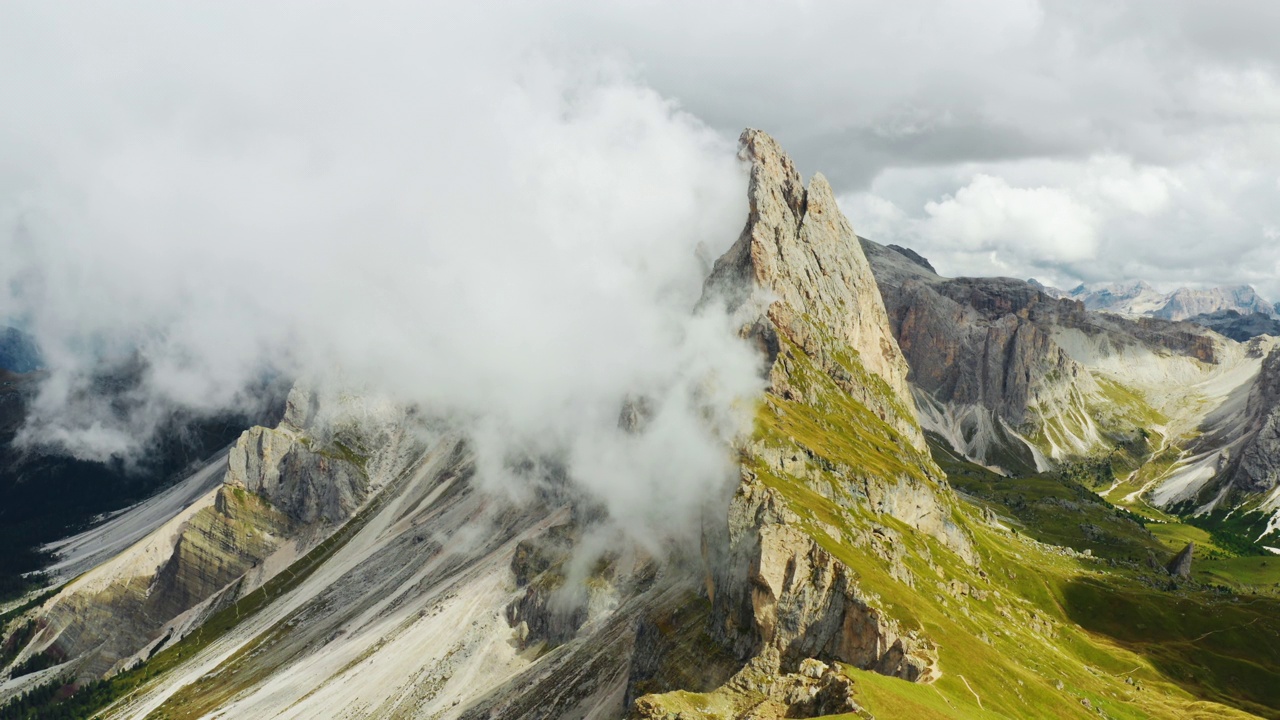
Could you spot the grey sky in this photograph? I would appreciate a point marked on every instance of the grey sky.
(1140, 137)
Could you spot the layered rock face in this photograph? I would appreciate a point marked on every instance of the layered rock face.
(103, 618)
(1001, 365)
(1238, 327)
(837, 421)
(1254, 466)
(798, 261)
(276, 490)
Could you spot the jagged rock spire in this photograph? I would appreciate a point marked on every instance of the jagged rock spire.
(800, 258)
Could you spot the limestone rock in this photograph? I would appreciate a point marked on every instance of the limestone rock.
(1256, 465)
(988, 367)
(104, 618)
(760, 692)
(301, 406)
(799, 602)
(307, 485)
(799, 259)
(1180, 565)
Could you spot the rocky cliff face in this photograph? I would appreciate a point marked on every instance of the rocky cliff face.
(1014, 377)
(838, 424)
(799, 601)
(280, 489)
(308, 485)
(798, 267)
(1253, 467)
(989, 375)
(1237, 326)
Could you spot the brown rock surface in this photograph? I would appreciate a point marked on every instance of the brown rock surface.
(799, 261)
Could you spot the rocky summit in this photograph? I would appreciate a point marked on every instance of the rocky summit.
(956, 498)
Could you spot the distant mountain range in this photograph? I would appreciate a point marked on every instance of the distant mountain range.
(1236, 311)
(1139, 299)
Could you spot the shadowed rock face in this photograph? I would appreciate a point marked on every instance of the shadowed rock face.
(1180, 565)
(307, 486)
(799, 275)
(1237, 326)
(1255, 467)
(989, 344)
(799, 260)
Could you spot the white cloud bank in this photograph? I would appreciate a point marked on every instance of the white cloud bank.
(1104, 219)
(434, 198)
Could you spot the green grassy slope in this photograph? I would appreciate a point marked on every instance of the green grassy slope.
(1034, 630)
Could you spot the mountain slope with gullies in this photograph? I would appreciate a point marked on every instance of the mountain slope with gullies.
(351, 562)
(1020, 380)
(1154, 412)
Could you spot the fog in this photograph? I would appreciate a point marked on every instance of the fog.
(437, 207)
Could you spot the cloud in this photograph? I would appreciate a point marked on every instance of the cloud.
(447, 210)
(1028, 92)
(1042, 222)
(1106, 218)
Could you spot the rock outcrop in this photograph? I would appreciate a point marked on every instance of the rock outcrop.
(1002, 367)
(759, 692)
(308, 485)
(798, 601)
(798, 261)
(1252, 467)
(1180, 566)
(103, 618)
(837, 421)
(279, 487)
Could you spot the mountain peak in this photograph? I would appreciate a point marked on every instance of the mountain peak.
(799, 257)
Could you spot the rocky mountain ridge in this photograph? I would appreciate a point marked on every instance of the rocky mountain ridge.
(344, 567)
(1237, 326)
(779, 601)
(1016, 379)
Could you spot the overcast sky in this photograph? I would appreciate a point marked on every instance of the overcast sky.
(1064, 140)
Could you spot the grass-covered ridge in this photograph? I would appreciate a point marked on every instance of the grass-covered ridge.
(1037, 629)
